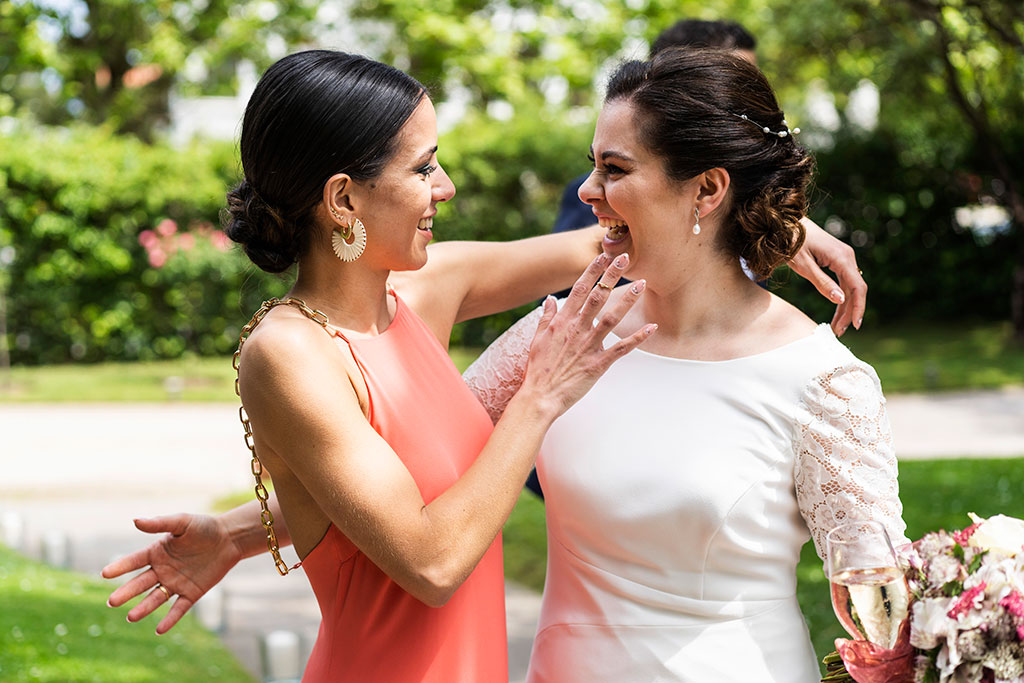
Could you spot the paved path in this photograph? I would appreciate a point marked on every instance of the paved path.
(86, 470)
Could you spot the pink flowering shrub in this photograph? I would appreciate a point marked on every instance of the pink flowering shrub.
(165, 241)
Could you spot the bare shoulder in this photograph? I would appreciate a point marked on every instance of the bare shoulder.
(784, 323)
(286, 350)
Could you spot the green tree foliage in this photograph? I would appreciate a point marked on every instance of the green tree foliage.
(115, 61)
(949, 75)
(951, 78)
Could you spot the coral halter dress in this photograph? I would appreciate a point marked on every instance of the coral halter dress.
(373, 631)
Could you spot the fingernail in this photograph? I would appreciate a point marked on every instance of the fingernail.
(652, 328)
(602, 258)
(842, 330)
(621, 260)
(857, 322)
(108, 604)
(128, 619)
(638, 286)
(837, 296)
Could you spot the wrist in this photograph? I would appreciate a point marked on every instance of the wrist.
(243, 530)
(534, 407)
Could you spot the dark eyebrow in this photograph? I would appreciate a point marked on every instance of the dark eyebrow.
(611, 153)
(425, 157)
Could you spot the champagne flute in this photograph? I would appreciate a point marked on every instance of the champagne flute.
(869, 592)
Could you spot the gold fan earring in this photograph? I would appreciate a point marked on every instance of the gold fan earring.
(348, 241)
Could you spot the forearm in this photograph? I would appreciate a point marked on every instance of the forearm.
(245, 529)
(508, 275)
(463, 522)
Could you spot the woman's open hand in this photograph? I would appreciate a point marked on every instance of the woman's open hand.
(567, 355)
(195, 553)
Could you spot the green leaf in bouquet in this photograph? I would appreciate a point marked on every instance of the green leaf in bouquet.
(958, 551)
(976, 562)
(953, 588)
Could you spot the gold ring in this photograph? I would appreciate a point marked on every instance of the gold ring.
(604, 286)
(861, 272)
(164, 589)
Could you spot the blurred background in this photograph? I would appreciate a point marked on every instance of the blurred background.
(121, 300)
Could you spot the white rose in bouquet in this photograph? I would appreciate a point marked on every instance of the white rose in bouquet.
(1000, 533)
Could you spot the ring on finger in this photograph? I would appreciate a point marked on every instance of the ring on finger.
(604, 286)
(166, 592)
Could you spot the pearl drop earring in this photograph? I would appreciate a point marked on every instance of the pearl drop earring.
(696, 221)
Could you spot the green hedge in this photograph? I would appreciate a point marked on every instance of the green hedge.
(77, 205)
(918, 262)
(117, 253)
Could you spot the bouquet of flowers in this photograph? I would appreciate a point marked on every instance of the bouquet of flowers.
(966, 612)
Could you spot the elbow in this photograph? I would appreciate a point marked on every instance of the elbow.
(435, 585)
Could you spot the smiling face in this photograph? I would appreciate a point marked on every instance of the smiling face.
(397, 207)
(647, 214)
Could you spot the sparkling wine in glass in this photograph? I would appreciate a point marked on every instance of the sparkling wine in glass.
(869, 593)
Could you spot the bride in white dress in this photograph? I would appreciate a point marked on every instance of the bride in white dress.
(681, 489)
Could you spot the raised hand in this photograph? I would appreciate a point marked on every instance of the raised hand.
(567, 355)
(822, 250)
(194, 554)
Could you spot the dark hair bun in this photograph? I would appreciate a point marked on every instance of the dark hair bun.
(267, 239)
(768, 230)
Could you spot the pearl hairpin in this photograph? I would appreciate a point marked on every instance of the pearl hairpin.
(768, 131)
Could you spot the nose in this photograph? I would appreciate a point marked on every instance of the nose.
(443, 188)
(591, 191)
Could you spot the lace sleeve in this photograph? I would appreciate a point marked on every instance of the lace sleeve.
(497, 374)
(845, 465)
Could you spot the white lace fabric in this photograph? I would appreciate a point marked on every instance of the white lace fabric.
(845, 468)
(498, 373)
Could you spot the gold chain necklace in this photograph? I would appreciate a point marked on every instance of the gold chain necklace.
(266, 517)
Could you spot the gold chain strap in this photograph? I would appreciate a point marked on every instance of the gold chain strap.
(256, 466)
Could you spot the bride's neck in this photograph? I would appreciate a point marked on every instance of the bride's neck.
(713, 299)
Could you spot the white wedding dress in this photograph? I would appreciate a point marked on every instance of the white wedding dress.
(679, 494)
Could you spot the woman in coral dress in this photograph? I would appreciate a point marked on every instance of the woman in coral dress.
(393, 480)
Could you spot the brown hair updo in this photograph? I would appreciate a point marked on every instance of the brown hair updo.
(689, 103)
(313, 114)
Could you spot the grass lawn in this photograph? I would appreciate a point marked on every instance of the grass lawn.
(55, 627)
(912, 358)
(936, 494)
(908, 358)
(199, 379)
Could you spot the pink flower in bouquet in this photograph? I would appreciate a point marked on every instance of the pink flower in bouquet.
(963, 536)
(186, 241)
(1014, 604)
(972, 598)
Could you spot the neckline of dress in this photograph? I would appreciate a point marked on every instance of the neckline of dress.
(822, 328)
(346, 335)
